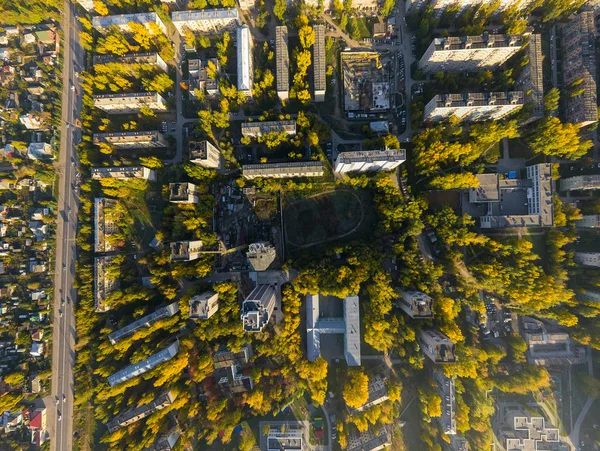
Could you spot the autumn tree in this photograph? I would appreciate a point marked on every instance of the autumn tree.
(307, 36)
(462, 180)
(551, 100)
(555, 139)
(279, 9)
(356, 389)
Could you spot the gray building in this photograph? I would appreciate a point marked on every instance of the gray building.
(378, 393)
(550, 347)
(204, 154)
(256, 129)
(447, 393)
(319, 65)
(132, 140)
(258, 307)
(204, 305)
(103, 225)
(167, 441)
(206, 21)
(531, 79)
(186, 250)
(261, 256)
(151, 21)
(587, 258)
(282, 62)
(145, 321)
(416, 304)
(588, 222)
(436, 346)
(153, 59)
(245, 69)
(229, 371)
(284, 170)
(145, 365)
(199, 80)
(103, 283)
(139, 413)
(580, 182)
(183, 193)
(124, 173)
(473, 106)
(130, 103)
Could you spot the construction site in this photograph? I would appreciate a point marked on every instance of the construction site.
(366, 85)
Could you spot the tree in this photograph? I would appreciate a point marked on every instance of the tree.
(553, 138)
(197, 4)
(307, 36)
(145, 110)
(313, 138)
(455, 181)
(388, 7)
(100, 8)
(151, 162)
(190, 38)
(279, 9)
(551, 100)
(356, 389)
(518, 26)
(204, 42)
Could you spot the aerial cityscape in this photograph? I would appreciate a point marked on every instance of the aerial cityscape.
(299, 225)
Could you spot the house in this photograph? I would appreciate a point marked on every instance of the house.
(37, 426)
(39, 151)
(37, 349)
(31, 122)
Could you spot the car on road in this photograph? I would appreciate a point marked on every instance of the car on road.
(59, 416)
(60, 312)
(64, 398)
(56, 400)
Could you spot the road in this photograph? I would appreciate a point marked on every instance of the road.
(406, 43)
(588, 404)
(60, 417)
(553, 57)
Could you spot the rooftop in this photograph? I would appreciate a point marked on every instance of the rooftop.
(145, 321)
(204, 14)
(145, 365)
(478, 42)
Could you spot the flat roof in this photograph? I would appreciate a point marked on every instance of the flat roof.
(204, 14)
(478, 42)
(471, 99)
(352, 334)
(283, 58)
(136, 369)
(320, 83)
(287, 168)
(371, 156)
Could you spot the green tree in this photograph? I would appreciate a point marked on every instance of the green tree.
(151, 162)
(388, 7)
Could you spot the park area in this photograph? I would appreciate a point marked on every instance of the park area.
(325, 217)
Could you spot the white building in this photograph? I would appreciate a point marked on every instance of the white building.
(39, 151)
(245, 71)
(588, 258)
(144, 322)
(203, 153)
(319, 63)
(580, 182)
(130, 103)
(369, 160)
(186, 250)
(284, 170)
(282, 62)
(204, 305)
(206, 21)
(103, 23)
(258, 307)
(124, 173)
(437, 346)
(183, 193)
(473, 106)
(145, 365)
(132, 140)
(256, 129)
(416, 304)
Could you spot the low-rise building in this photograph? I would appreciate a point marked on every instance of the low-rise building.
(373, 439)
(282, 62)
(319, 64)
(124, 173)
(183, 193)
(104, 226)
(518, 430)
(151, 21)
(473, 106)
(550, 347)
(204, 154)
(458, 443)
(132, 140)
(258, 307)
(245, 70)
(199, 79)
(261, 256)
(203, 306)
(288, 436)
(167, 441)
(145, 321)
(437, 346)
(587, 258)
(416, 304)
(186, 251)
(130, 103)
(225, 358)
(588, 222)
(369, 160)
(145, 365)
(284, 170)
(39, 151)
(136, 414)
(153, 59)
(448, 396)
(229, 371)
(378, 393)
(206, 21)
(580, 182)
(103, 283)
(256, 129)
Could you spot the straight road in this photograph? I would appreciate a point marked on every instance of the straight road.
(60, 406)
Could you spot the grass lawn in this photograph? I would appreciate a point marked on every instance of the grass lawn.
(539, 246)
(364, 25)
(518, 149)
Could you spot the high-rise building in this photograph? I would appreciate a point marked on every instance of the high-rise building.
(183, 193)
(245, 71)
(579, 69)
(284, 170)
(205, 154)
(151, 21)
(206, 21)
(587, 258)
(132, 140)
(473, 106)
(130, 103)
(369, 160)
(258, 307)
(205, 305)
(415, 304)
(282, 62)
(580, 182)
(145, 321)
(186, 251)
(531, 79)
(437, 346)
(139, 368)
(469, 53)
(319, 76)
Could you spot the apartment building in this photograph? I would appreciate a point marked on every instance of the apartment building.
(469, 53)
(439, 6)
(186, 251)
(458, 443)
(136, 414)
(531, 79)
(153, 59)
(144, 366)
(151, 21)
(369, 160)
(261, 256)
(229, 371)
(587, 258)
(580, 182)
(319, 65)
(203, 153)
(549, 347)
(166, 441)
(88, 5)
(132, 140)
(130, 103)
(124, 173)
(579, 69)
(447, 393)
(206, 21)
(378, 393)
(203, 306)
(591, 295)
(199, 81)
(183, 193)
(145, 321)
(226, 358)
(256, 129)
(245, 70)
(282, 62)
(416, 304)
(103, 226)
(284, 170)
(103, 283)
(588, 222)
(258, 307)
(373, 439)
(436, 346)
(473, 106)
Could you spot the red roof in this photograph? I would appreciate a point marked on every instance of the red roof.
(319, 434)
(36, 420)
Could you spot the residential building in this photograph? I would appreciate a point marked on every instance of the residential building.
(229, 371)
(151, 21)
(416, 304)
(436, 346)
(206, 21)
(588, 222)
(167, 441)
(378, 393)
(579, 69)
(132, 140)
(199, 80)
(369, 160)
(145, 365)
(153, 59)
(39, 151)
(288, 436)
(349, 326)
(372, 439)
(261, 256)
(186, 250)
(550, 347)
(104, 226)
(587, 258)
(366, 85)
(591, 295)
(245, 71)
(284, 170)
(458, 443)
(124, 173)
(130, 103)
(204, 154)
(531, 79)
(226, 358)
(256, 129)
(319, 64)
(258, 308)
(37, 425)
(203, 306)
(246, 4)
(469, 53)
(32, 122)
(282, 62)
(439, 6)
(448, 396)
(136, 414)
(580, 182)
(103, 284)
(88, 5)
(473, 106)
(145, 321)
(183, 193)
(510, 202)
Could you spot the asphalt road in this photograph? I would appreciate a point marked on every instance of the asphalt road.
(60, 415)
